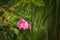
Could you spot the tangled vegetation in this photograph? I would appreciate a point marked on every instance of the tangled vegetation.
(43, 15)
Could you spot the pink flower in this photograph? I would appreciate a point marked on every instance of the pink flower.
(22, 24)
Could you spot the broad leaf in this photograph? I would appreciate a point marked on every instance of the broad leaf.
(27, 1)
(39, 3)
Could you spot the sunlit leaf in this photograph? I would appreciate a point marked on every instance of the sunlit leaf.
(27, 1)
(39, 3)
(16, 31)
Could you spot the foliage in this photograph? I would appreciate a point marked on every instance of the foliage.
(42, 14)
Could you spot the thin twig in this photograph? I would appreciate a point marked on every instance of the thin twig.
(6, 11)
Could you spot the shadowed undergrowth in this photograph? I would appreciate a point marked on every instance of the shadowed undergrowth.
(42, 14)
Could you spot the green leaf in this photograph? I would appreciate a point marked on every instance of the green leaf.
(39, 3)
(1, 9)
(16, 31)
(27, 1)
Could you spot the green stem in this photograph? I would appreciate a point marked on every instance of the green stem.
(56, 20)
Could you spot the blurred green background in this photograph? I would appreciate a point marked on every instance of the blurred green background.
(42, 14)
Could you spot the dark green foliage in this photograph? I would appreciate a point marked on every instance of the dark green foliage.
(43, 14)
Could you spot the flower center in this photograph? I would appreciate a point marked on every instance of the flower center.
(22, 25)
